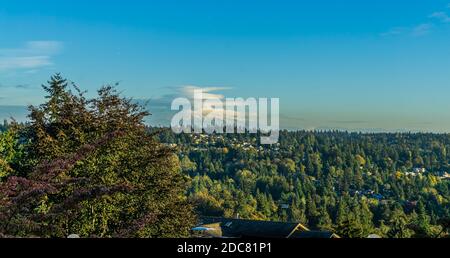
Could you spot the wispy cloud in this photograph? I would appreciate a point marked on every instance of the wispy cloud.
(292, 118)
(442, 16)
(32, 56)
(161, 106)
(16, 86)
(349, 121)
(394, 31)
(207, 92)
(163, 103)
(416, 31)
(22, 86)
(421, 29)
(27, 62)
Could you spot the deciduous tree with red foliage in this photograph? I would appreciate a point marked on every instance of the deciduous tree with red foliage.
(91, 168)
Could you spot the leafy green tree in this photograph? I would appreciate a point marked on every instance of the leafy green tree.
(350, 228)
(324, 220)
(153, 204)
(399, 225)
(421, 222)
(288, 166)
(11, 151)
(187, 164)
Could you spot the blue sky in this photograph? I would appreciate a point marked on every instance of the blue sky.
(378, 65)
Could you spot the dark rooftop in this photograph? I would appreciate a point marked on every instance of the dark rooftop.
(254, 228)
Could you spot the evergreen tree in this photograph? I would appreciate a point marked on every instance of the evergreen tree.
(115, 178)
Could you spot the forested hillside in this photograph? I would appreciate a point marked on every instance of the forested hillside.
(91, 166)
(394, 185)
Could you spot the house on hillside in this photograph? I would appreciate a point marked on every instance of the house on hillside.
(235, 228)
(419, 170)
(444, 175)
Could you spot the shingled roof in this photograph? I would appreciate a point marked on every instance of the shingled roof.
(253, 228)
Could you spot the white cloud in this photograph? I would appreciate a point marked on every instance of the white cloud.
(27, 62)
(417, 31)
(33, 55)
(421, 29)
(207, 93)
(163, 103)
(394, 31)
(442, 16)
(188, 92)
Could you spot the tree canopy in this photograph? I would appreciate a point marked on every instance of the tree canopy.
(355, 184)
(90, 167)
